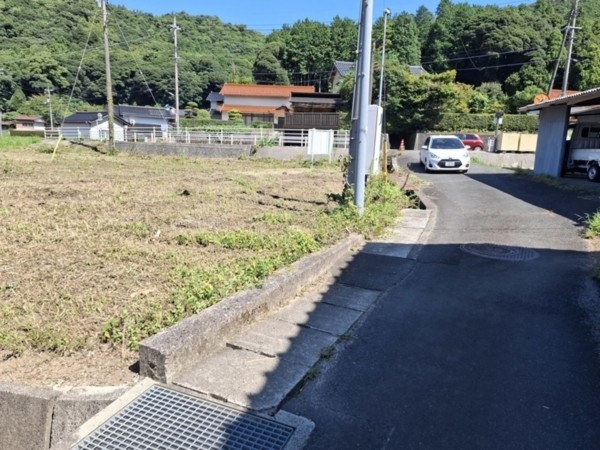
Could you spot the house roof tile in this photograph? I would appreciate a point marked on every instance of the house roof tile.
(214, 97)
(263, 90)
(343, 67)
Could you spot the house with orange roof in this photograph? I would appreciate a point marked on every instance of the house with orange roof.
(258, 102)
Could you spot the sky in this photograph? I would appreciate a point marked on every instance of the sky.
(268, 15)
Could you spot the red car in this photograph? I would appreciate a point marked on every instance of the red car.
(472, 140)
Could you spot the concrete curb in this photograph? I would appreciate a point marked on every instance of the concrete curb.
(34, 419)
(170, 352)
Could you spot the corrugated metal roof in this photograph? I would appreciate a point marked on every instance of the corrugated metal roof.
(89, 117)
(86, 117)
(262, 90)
(569, 100)
(141, 111)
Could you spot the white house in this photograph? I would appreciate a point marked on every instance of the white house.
(91, 125)
(258, 102)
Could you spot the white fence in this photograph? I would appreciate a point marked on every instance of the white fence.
(252, 136)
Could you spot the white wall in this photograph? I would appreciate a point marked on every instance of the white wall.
(94, 133)
(148, 121)
(271, 102)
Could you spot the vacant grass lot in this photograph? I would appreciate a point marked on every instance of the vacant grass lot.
(100, 251)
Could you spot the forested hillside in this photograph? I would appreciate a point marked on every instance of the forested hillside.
(503, 54)
(42, 43)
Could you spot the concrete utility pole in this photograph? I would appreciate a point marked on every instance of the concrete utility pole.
(386, 14)
(361, 106)
(571, 28)
(1, 129)
(175, 29)
(109, 94)
(49, 91)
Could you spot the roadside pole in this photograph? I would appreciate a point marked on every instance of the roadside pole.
(109, 94)
(361, 103)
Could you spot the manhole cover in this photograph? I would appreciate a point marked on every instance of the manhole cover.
(500, 252)
(164, 419)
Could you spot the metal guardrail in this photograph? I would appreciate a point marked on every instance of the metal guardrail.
(252, 136)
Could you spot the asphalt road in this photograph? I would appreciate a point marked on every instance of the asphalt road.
(463, 351)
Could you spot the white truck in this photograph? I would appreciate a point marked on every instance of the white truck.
(583, 149)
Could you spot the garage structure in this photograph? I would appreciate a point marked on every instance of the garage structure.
(555, 117)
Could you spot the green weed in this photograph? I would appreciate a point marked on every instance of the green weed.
(13, 142)
(327, 352)
(592, 225)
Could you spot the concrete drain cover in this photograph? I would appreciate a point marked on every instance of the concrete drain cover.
(500, 252)
(164, 419)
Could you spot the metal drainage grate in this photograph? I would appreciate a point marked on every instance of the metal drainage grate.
(163, 419)
(500, 252)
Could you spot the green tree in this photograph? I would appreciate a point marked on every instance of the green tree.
(404, 39)
(586, 69)
(17, 100)
(496, 98)
(417, 102)
(344, 36)
(267, 68)
(522, 98)
(440, 44)
(424, 20)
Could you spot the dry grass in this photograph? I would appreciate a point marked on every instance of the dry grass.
(90, 236)
(100, 251)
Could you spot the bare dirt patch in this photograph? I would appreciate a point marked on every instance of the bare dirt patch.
(95, 248)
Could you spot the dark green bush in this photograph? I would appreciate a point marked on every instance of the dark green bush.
(36, 133)
(485, 122)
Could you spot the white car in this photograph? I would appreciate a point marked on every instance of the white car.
(444, 153)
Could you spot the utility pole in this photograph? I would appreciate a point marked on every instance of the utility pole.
(360, 105)
(175, 29)
(386, 14)
(49, 91)
(109, 94)
(1, 129)
(571, 28)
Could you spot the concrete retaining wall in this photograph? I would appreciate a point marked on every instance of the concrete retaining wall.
(35, 419)
(168, 353)
(511, 160)
(285, 152)
(188, 150)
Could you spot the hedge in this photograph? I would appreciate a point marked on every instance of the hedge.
(37, 133)
(485, 122)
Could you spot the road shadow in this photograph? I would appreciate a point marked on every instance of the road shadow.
(460, 349)
(566, 197)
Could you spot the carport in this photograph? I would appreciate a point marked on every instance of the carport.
(555, 116)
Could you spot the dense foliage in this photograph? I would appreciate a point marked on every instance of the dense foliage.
(480, 58)
(42, 44)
